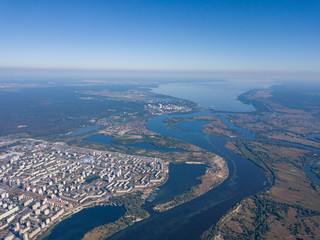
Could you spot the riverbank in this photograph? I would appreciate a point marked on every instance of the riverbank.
(192, 218)
(216, 173)
(272, 214)
(77, 224)
(190, 153)
(182, 158)
(132, 203)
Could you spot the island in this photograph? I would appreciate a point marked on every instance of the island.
(215, 127)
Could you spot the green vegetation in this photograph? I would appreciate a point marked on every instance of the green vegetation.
(131, 202)
(134, 213)
(289, 209)
(192, 153)
(215, 127)
(283, 112)
(56, 110)
(156, 140)
(52, 112)
(178, 200)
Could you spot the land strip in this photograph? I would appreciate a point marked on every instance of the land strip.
(215, 127)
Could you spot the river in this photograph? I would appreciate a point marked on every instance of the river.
(189, 220)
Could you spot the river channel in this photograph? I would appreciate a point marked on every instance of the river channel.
(189, 220)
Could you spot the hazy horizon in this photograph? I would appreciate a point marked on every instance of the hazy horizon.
(24, 74)
(161, 36)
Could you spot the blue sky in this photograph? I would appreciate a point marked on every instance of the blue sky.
(216, 35)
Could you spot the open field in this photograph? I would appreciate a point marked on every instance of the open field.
(259, 217)
(289, 209)
(283, 113)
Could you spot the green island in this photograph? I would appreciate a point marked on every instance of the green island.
(215, 127)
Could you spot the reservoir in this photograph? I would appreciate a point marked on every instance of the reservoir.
(219, 95)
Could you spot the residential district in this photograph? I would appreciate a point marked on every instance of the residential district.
(42, 182)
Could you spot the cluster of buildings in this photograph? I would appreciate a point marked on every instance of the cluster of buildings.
(160, 108)
(134, 122)
(41, 182)
(124, 123)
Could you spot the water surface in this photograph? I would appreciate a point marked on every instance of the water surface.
(84, 130)
(181, 178)
(220, 95)
(101, 138)
(310, 174)
(79, 224)
(191, 219)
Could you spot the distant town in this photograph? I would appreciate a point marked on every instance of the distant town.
(134, 122)
(42, 182)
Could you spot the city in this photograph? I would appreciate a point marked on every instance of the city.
(42, 182)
